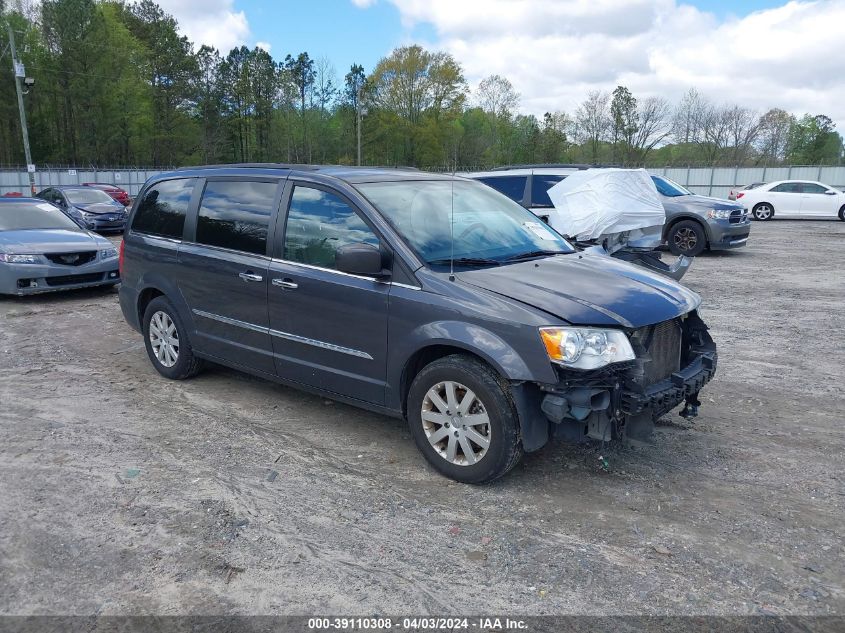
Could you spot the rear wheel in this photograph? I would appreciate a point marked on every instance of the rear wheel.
(166, 342)
(463, 420)
(763, 211)
(687, 237)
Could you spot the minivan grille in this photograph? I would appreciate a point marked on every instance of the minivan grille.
(662, 344)
(72, 259)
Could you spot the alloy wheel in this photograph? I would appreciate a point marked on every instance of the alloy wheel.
(456, 423)
(685, 239)
(762, 212)
(164, 338)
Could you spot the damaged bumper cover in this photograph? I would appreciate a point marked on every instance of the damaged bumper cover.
(622, 401)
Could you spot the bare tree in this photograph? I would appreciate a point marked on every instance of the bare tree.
(592, 122)
(773, 139)
(743, 128)
(497, 96)
(654, 124)
(688, 119)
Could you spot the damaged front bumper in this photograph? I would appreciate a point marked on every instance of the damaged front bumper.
(623, 401)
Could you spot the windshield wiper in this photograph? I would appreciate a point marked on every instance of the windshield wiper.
(466, 261)
(532, 254)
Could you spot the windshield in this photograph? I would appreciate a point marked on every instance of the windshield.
(669, 188)
(87, 195)
(16, 216)
(488, 228)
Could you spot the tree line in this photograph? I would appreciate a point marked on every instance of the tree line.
(116, 84)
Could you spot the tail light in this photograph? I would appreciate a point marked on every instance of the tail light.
(739, 195)
(120, 258)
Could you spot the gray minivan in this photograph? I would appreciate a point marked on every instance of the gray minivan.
(421, 296)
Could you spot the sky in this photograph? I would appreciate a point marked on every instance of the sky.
(757, 53)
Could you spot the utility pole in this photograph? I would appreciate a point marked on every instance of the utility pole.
(360, 112)
(18, 70)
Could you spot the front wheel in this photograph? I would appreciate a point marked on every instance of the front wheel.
(687, 238)
(166, 341)
(463, 420)
(763, 211)
(842, 213)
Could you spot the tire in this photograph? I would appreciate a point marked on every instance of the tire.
(491, 400)
(763, 211)
(160, 314)
(842, 213)
(687, 237)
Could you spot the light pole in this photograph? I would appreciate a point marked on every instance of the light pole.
(20, 73)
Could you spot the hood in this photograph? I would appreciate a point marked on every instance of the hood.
(700, 203)
(586, 289)
(100, 207)
(50, 241)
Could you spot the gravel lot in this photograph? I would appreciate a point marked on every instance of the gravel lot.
(123, 493)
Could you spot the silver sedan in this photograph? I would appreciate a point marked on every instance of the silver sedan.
(42, 250)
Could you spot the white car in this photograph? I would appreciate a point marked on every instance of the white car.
(793, 198)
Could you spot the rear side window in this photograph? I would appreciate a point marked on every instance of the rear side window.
(162, 210)
(512, 186)
(809, 187)
(318, 224)
(236, 214)
(787, 187)
(540, 186)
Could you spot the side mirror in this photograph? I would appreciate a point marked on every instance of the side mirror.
(830, 192)
(360, 259)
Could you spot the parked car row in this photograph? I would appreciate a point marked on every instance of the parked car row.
(42, 249)
(422, 296)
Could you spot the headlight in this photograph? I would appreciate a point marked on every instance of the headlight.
(586, 348)
(108, 253)
(719, 214)
(20, 259)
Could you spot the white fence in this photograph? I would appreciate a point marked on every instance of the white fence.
(129, 179)
(707, 181)
(718, 181)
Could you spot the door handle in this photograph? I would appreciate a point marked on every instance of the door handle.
(285, 283)
(250, 277)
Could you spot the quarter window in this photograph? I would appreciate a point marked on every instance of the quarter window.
(809, 187)
(236, 214)
(788, 187)
(540, 185)
(318, 224)
(512, 186)
(162, 210)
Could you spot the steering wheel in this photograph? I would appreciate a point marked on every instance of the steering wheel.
(472, 227)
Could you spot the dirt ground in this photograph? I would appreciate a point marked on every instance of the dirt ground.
(124, 493)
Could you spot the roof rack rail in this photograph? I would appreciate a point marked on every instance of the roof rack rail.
(555, 166)
(253, 166)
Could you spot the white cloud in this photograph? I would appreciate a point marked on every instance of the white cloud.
(212, 22)
(263, 45)
(363, 4)
(554, 52)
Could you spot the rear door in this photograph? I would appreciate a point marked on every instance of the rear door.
(816, 203)
(224, 266)
(328, 328)
(786, 198)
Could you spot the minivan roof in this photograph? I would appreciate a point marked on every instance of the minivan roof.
(346, 173)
